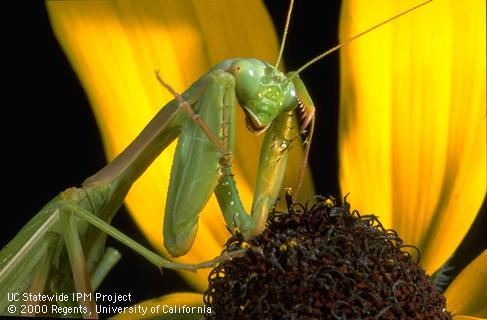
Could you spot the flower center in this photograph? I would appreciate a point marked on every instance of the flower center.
(324, 262)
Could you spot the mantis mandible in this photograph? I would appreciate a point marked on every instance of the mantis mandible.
(70, 217)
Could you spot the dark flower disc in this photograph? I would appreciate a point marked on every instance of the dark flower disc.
(323, 262)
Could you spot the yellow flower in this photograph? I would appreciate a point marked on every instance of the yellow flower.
(412, 127)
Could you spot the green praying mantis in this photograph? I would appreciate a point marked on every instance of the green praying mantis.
(74, 224)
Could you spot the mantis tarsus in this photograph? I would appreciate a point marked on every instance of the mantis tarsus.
(88, 204)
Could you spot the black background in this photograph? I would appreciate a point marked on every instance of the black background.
(50, 140)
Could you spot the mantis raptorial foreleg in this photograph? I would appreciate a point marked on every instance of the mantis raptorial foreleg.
(225, 190)
(199, 161)
(272, 165)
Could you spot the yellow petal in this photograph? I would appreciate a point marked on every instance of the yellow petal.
(162, 307)
(115, 46)
(466, 318)
(467, 294)
(412, 128)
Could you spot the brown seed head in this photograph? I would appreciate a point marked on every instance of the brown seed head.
(324, 262)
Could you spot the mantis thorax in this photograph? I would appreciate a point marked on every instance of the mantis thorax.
(262, 91)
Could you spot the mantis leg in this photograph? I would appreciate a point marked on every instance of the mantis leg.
(76, 258)
(152, 257)
(41, 273)
(306, 110)
(107, 262)
(196, 165)
(272, 165)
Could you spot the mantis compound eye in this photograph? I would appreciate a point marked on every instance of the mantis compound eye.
(248, 74)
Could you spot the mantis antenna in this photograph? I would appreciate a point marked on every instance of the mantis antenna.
(284, 35)
(338, 46)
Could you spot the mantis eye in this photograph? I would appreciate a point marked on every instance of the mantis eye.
(248, 74)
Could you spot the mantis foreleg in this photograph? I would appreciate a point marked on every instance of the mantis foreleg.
(198, 162)
(272, 165)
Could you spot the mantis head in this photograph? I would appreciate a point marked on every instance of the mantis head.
(262, 91)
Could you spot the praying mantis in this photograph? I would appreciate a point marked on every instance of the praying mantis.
(52, 220)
